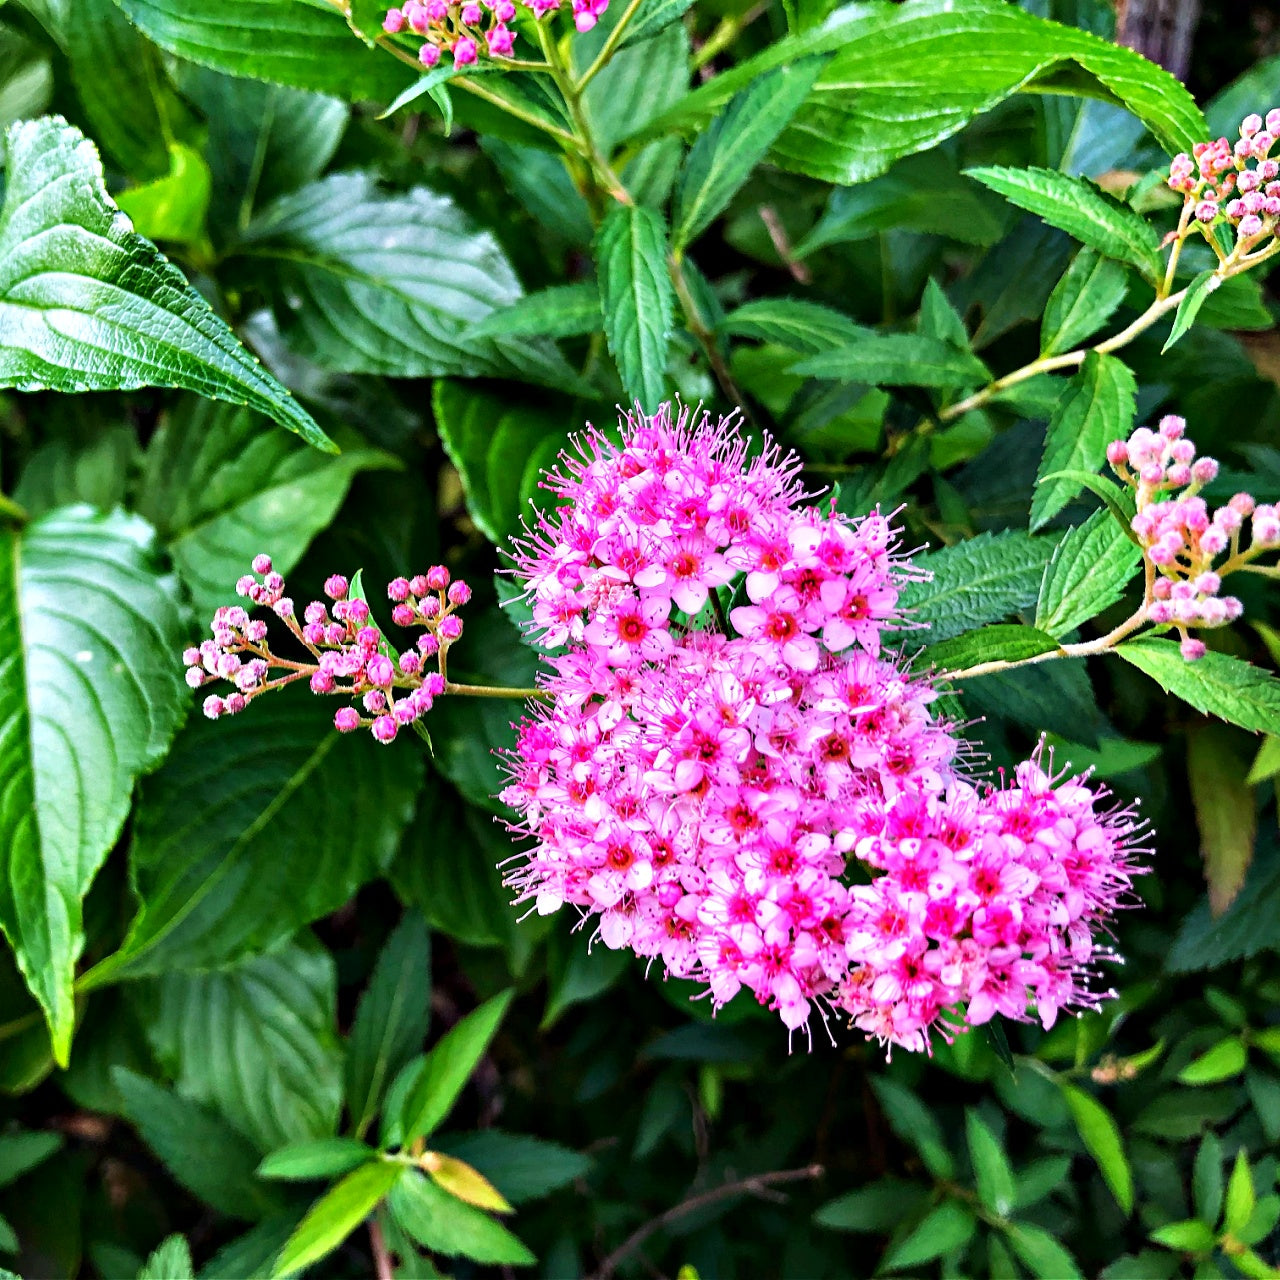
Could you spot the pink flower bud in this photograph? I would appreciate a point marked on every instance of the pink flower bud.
(418, 584)
(1160, 612)
(345, 719)
(357, 612)
(1206, 210)
(1214, 542)
(471, 14)
(384, 727)
(1152, 473)
(1204, 470)
(428, 645)
(434, 684)
(504, 10)
(212, 706)
(1117, 453)
(1172, 427)
(1250, 125)
(378, 670)
(1242, 504)
(1268, 169)
(450, 628)
(431, 607)
(402, 615)
(335, 634)
(398, 589)
(459, 593)
(234, 703)
(322, 682)
(419, 17)
(1193, 650)
(1250, 225)
(336, 587)
(1266, 533)
(283, 608)
(429, 55)
(1207, 584)
(501, 41)
(368, 638)
(1262, 143)
(437, 577)
(1179, 474)
(190, 657)
(392, 24)
(405, 711)
(262, 563)
(437, 10)
(1162, 588)
(194, 677)
(1182, 451)
(1233, 607)
(245, 585)
(375, 701)
(1235, 210)
(1248, 180)
(464, 54)
(410, 662)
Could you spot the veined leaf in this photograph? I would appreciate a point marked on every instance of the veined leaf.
(87, 304)
(1089, 571)
(991, 1168)
(1086, 297)
(793, 323)
(652, 16)
(1199, 291)
(319, 1158)
(171, 1261)
(450, 1227)
(897, 359)
(1101, 1135)
(563, 311)
(1251, 924)
(1225, 811)
(1003, 642)
(948, 1227)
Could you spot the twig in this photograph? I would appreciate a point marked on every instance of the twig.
(383, 1267)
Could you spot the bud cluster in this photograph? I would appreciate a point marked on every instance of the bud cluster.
(1181, 539)
(1239, 183)
(345, 652)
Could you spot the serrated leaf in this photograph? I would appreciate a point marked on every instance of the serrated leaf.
(171, 1261)
(521, 1167)
(90, 698)
(874, 1209)
(336, 1215)
(1101, 1136)
(948, 1227)
(445, 1225)
(1250, 925)
(793, 323)
(737, 140)
(897, 359)
(653, 16)
(1082, 210)
(459, 1179)
(1119, 502)
(1089, 571)
(87, 304)
(319, 1158)
(977, 581)
(637, 299)
(1199, 291)
(563, 311)
(1002, 642)
(990, 1165)
(1086, 297)
(1097, 407)
(1225, 811)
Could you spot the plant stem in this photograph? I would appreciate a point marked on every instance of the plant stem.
(14, 511)
(493, 691)
(606, 52)
(703, 335)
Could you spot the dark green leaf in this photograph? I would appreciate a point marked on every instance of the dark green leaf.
(898, 359)
(1082, 301)
(793, 323)
(637, 82)
(1199, 291)
(915, 1124)
(1207, 1182)
(948, 1227)
(1250, 925)
(563, 311)
(320, 1158)
(1089, 571)
(22, 1152)
(1003, 642)
(990, 1165)
(1119, 502)
(521, 1167)
(1101, 1135)
(252, 1253)
(874, 1209)
(445, 1225)
(1225, 811)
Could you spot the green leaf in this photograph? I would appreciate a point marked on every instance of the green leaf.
(391, 1020)
(653, 16)
(577, 972)
(990, 1165)
(948, 1227)
(367, 282)
(1097, 407)
(1207, 1181)
(336, 1215)
(1089, 571)
(282, 41)
(1082, 301)
(1216, 684)
(1266, 764)
(256, 1042)
(1240, 1195)
(792, 323)
(875, 1209)
(448, 1226)
(201, 1151)
(22, 1152)
(897, 359)
(563, 311)
(1224, 1060)
(916, 1125)
(1225, 811)
(252, 1253)
(1101, 1136)
(637, 82)
(1250, 925)
(521, 1167)
(500, 449)
(221, 486)
(637, 299)
(736, 141)
(319, 1158)
(1198, 293)
(1003, 642)
(174, 207)
(1119, 502)
(1189, 1236)
(252, 800)
(977, 581)
(1079, 208)
(447, 1068)
(87, 304)
(90, 699)
(1040, 1253)
(171, 1261)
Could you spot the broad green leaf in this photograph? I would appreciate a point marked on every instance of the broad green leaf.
(1199, 291)
(173, 208)
(1240, 1198)
(1056, 697)
(282, 41)
(171, 1261)
(392, 1018)
(563, 311)
(500, 449)
(1001, 642)
(362, 281)
(336, 1215)
(948, 1227)
(793, 323)
(1101, 1135)
(990, 1165)
(1188, 1236)
(636, 84)
(977, 581)
(252, 1253)
(256, 1042)
(1080, 209)
(1119, 502)
(521, 1167)
(1225, 811)
(874, 1209)
(201, 1151)
(459, 1179)
(319, 1158)
(1207, 1183)
(577, 972)
(1266, 764)
(87, 304)
(22, 1152)
(897, 359)
(1216, 684)
(26, 80)
(637, 299)
(915, 1124)
(736, 141)
(652, 16)
(1250, 925)
(1096, 408)
(255, 800)
(1082, 301)
(1040, 1253)
(1224, 1060)
(221, 486)
(448, 1226)
(1089, 571)
(448, 1067)
(90, 698)
(540, 184)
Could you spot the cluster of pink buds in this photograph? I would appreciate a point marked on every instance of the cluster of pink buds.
(728, 757)
(340, 650)
(1183, 541)
(1236, 182)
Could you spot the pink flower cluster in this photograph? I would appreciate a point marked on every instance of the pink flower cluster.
(715, 782)
(1237, 182)
(1180, 537)
(460, 26)
(341, 651)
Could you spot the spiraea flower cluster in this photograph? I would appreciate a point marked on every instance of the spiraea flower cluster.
(340, 650)
(1190, 548)
(468, 28)
(732, 779)
(1235, 182)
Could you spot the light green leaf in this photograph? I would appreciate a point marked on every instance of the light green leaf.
(1101, 1135)
(1266, 763)
(1224, 1060)
(1216, 684)
(173, 208)
(1002, 642)
(637, 299)
(1079, 208)
(448, 1226)
(319, 1158)
(1082, 301)
(897, 359)
(1097, 407)
(793, 323)
(736, 141)
(990, 1165)
(563, 311)
(171, 1261)
(336, 1215)
(1225, 811)
(87, 304)
(948, 1227)
(1199, 291)
(1188, 1236)
(1041, 1254)
(1240, 1195)
(1089, 571)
